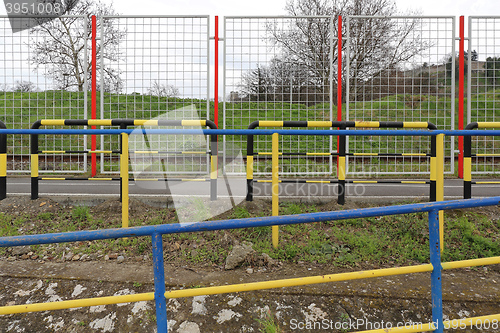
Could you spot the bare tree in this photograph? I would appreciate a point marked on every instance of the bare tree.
(377, 43)
(283, 80)
(24, 86)
(163, 90)
(59, 46)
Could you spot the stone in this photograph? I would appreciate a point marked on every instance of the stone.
(238, 255)
(120, 259)
(268, 260)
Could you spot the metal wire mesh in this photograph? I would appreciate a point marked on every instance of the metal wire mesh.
(483, 60)
(33, 86)
(398, 71)
(279, 68)
(159, 69)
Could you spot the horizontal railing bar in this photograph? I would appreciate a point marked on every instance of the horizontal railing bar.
(470, 263)
(372, 132)
(77, 303)
(243, 223)
(308, 280)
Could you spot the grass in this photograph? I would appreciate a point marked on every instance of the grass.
(380, 241)
(268, 324)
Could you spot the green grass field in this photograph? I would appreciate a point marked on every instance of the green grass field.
(22, 109)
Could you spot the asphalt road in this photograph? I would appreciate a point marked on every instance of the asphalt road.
(236, 187)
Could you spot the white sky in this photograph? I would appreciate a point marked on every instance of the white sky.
(276, 7)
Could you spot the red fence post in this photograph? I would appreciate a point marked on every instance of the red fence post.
(461, 68)
(339, 81)
(93, 96)
(216, 73)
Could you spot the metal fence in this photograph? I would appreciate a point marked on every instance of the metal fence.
(279, 68)
(397, 71)
(157, 67)
(275, 68)
(33, 87)
(483, 99)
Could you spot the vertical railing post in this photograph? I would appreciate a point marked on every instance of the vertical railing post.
(467, 167)
(3, 163)
(124, 178)
(433, 176)
(440, 183)
(34, 166)
(214, 163)
(275, 186)
(93, 95)
(461, 76)
(436, 283)
(159, 277)
(339, 82)
(341, 168)
(249, 168)
(216, 72)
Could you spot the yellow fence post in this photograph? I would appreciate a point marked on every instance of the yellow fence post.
(124, 177)
(440, 183)
(275, 186)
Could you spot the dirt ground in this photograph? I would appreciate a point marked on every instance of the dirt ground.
(29, 277)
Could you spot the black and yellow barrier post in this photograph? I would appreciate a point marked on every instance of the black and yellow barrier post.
(437, 178)
(468, 157)
(341, 150)
(3, 163)
(275, 187)
(341, 167)
(123, 124)
(124, 179)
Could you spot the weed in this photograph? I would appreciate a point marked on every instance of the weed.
(241, 212)
(268, 324)
(81, 213)
(137, 284)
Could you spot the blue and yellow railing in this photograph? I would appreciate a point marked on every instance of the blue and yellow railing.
(435, 266)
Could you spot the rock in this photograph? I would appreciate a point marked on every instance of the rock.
(268, 260)
(25, 256)
(249, 270)
(120, 259)
(20, 250)
(113, 256)
(76, 258)
(106, 257)
(238, 255)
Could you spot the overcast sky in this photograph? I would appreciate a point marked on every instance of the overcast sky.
(276, 7)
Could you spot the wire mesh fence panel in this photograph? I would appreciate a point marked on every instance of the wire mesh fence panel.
(483, 99)
(277, 69)
(155, 67)
(399, 69)
(44, 75)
